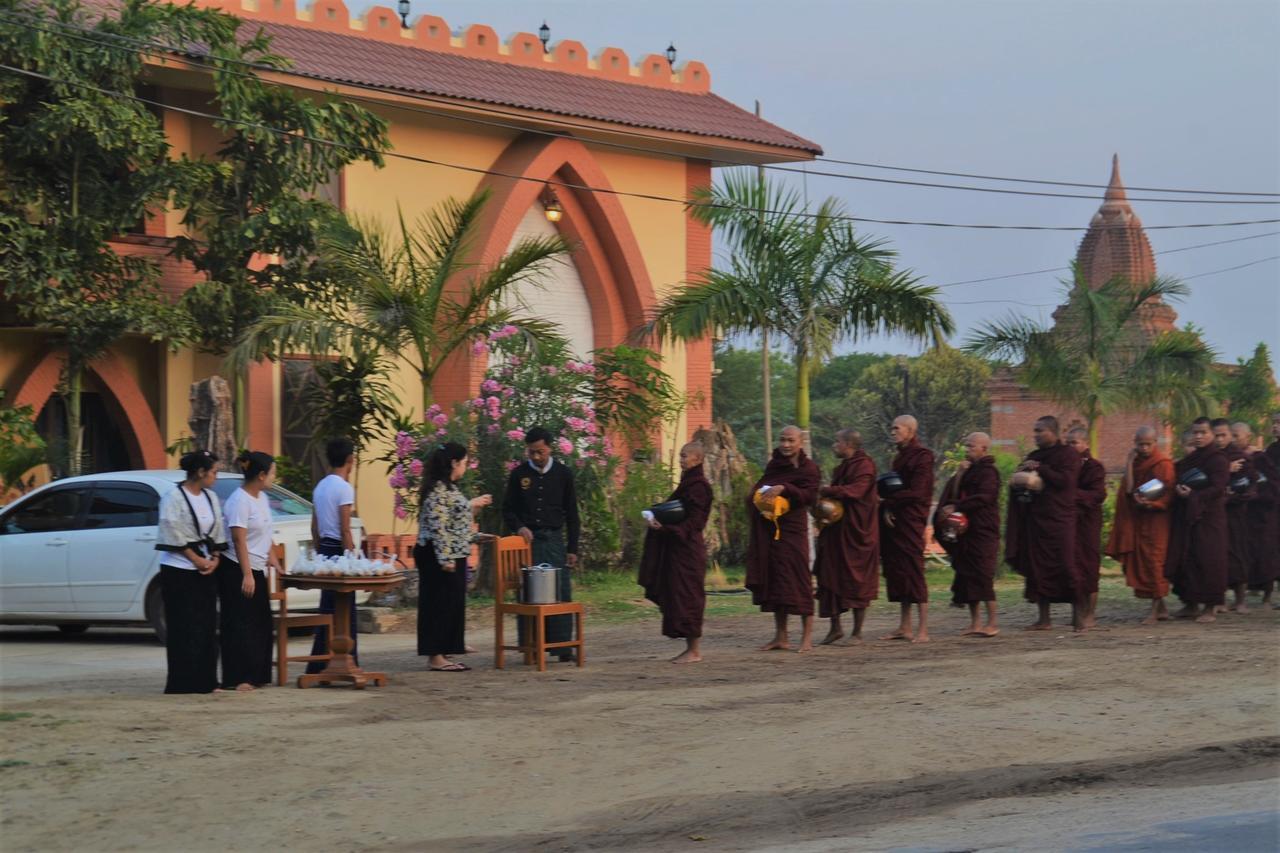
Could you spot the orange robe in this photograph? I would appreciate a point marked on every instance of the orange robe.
(1140, 535)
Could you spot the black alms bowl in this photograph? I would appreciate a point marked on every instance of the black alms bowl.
(669, 512)
(888, 483)
(1194, 479)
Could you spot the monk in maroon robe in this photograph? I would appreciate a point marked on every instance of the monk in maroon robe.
(847, 561)
(1264, 526)
(778, 554)
(903, 517)
(1238, 547)
(974, 491)
(1140, 533)
(1197, 562)
(673, 567)
(1040, 536)
(1091, 494)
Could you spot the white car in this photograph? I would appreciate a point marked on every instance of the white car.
(81, 551)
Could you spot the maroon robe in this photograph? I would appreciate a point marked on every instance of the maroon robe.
(849, 550)
(974, 554)
(1197, 561)
(1264, 524)
(1040, 536)
(673, 567)
(1239, 549)
(1091, 494)
(778, 569)
(902, 545)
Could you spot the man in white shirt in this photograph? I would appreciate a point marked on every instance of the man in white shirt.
(333, 501)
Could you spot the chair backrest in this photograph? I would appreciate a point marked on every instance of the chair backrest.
(514, 554)
(275, 588)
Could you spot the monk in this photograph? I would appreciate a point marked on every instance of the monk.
(1040, 535)
(778, 557)
(846, 564)
(1272, 455)
(1140, 533)
(975, 491)
(1238, 549)
(1091, 494)
(1264, 525)
(1197, 560)
(903, 517)
(673, 567)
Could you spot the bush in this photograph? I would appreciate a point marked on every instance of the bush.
(646, 483)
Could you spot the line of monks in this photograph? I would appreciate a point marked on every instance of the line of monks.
(1198, 527)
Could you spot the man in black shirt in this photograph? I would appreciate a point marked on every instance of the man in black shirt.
(541, 505)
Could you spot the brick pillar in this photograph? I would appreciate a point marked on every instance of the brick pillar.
(698, 354)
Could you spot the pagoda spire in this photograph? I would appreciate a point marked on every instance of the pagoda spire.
(1115, 188)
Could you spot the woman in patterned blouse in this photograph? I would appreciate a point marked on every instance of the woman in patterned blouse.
(444, 543)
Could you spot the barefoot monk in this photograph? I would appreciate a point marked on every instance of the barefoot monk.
(903, 517)
(1091, 494)
(673, 568)
(974, 492)
(847, 563)
(1237, 507)
(1140, 533)
(778, 553)
(1197, 560)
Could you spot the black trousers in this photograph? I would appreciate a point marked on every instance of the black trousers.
(191, 625)
(549, 547)
(320, 646)
(244, 627)
(442, 604)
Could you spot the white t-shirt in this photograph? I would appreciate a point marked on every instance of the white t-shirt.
(330, 495)
(204, 521)
(254, 515)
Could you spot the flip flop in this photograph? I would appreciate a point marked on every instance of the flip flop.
(450, 667)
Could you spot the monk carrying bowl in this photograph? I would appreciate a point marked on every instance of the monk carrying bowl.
(1150, 491)
(827, 511)
(888, 483)
(954, 526)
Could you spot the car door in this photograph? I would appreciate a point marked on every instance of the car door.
(113, 554)
(35, 540)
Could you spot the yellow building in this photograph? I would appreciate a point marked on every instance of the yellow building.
(615, 137)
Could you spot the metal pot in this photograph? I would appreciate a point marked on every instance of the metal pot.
(1194, 479)
(669, 512)
(540, 584)
(1240, 484)
(888, 483)
(1152, 490)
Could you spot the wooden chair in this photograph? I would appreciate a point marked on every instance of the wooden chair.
(277, 592)
(513, 554)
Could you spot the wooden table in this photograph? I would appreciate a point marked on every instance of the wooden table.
(342, 667)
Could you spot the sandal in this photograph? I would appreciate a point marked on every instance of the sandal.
(450, 667)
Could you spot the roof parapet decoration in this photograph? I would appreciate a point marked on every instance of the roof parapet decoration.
(477, 41)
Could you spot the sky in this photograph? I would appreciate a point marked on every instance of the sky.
(1187, 92)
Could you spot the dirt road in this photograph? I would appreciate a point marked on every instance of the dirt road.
(875, 747)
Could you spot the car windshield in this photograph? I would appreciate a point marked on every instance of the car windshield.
(284, 503)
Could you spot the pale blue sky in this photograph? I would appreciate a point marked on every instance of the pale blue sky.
(1186, 91)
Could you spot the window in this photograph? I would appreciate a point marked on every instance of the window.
(46, 513)
(295, 434)
(123, 506)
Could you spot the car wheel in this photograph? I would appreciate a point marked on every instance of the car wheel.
(74, 628)
(155, 611)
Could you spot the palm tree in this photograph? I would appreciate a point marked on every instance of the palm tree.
(1097, 360)
(414, 294)
(806, 277)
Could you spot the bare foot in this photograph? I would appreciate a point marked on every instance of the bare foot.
(687, 657)
(776, 646)
(987, 631)
(246, 687)
(1207, 617)
(854, 640)
(1039, 626)
(897, 635)
(1187, 612)
(1241, 608)
(1151, 620)
(922, 637)
(805, 646)
(831, 637)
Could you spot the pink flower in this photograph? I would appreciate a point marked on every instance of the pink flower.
(402, 513)
(507, 392)
(592, 429)
(576, 424)
(433, 409)
(515, 361)
(415, 467)
(492, 429)
(405, 445)
(473, 463)
(589, 453)
(608, 446)
(551, 370)
(505, 332)
(479, 348)
(489, 386)
(477, 403)
(397, 480)
(440, 419)
(515, 434)
(565, 445)
(513, 464)
(579, 462)
(442, 432)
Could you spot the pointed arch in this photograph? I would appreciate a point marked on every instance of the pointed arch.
(606, 252)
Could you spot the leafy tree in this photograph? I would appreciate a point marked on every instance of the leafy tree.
(1249, 392)
(809, 278)
(349, 396)
(633, 395)
(1096, 358)
(21, 447)
(735, 395)
(83, 166)
(254, 214)
(412, 294)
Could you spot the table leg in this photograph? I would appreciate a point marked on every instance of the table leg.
(342, 666)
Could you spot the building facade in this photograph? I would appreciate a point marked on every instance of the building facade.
(502, 116)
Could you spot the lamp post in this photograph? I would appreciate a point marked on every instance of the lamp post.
(671, 55)
(403, 8)
(544, 35)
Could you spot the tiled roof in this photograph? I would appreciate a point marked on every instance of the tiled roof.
(344, 58)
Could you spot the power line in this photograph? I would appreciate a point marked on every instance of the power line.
(1230, 269)
(585, 187)
(86, 34)
(1067, 269)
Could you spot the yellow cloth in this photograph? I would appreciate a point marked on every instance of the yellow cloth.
(773, 509)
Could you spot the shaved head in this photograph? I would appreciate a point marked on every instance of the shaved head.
(1146, 432)
(851, 437)
(903, 430)
(976, 445)
(790, 442)
(978, 438)
(694, 448)
(792, 428)
(692, 455)
(1241, 435)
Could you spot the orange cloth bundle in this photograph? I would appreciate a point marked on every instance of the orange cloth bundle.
(773, 509)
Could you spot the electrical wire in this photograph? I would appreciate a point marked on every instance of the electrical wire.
(85, 34)
(1231, 269)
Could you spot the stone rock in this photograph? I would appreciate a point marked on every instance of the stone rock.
(722, 465)
(212, 419)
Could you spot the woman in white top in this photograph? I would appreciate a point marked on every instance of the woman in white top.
(242, 577)
(190, 536)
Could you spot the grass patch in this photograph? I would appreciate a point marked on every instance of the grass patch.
(6, 763)
(10, 716)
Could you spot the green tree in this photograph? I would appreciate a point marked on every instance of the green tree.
(254, 213)
(1249, 391)
(1097, 360)
(413, 294)
(83, 166)
(349, 396)
(808, 278)
(21, 447)
(735, 395)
